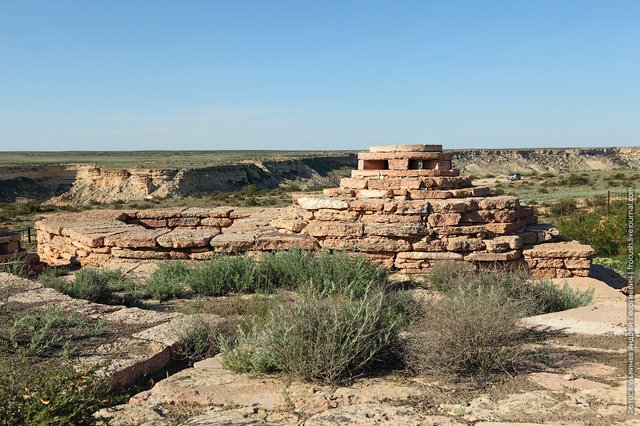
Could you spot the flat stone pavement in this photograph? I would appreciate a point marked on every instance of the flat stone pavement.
(146, 338)
(606, 314)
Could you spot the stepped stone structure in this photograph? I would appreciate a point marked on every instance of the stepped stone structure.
(405, 207)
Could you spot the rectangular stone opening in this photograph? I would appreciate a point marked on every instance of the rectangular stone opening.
(375, 164)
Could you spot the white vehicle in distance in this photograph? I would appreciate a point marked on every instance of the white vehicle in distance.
(514, 176)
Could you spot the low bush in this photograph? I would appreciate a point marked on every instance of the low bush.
(199, 339)
(108, 286)
(51, 393)
(319, 273)
(446, 275)
(223, 275)
(469, 333)
(167, 281)
(327, 338)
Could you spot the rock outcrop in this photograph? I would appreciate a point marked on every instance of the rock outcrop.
(405, 207)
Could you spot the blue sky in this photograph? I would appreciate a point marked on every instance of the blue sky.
(274, 74)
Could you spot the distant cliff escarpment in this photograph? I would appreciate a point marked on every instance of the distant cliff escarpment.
(82, 183)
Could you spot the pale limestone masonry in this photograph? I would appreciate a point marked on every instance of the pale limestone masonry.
(405, 207)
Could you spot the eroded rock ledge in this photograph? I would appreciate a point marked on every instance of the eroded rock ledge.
(405, 207)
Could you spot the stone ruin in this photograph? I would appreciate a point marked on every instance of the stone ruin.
(405, 207)
(12, 251)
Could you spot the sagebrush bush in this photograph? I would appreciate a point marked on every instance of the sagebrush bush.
(320, 272)
(534, 297)
(328, 338)
(470, 334)
(167, 281)
(107, 286)
(223, 275)
(450, 274)
(51, 393)
(199, 339)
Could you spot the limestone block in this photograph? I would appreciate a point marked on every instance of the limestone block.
(313, 203)
(580, 272)
(496, 246)
(436, 255)
(563, 273)
(444, 219)
(187, 238)
(577, 263)
(408, 183)
(232, 243)
(293, 225)
(499, 203)
(492, 257)
(421, 194)
(412, 207)
(374, 193)
(152, 223)
(505, 228)
(407, 230)
(338, 192)
(280, 241)
(480, 191)
(371, 205)
(390, 218)
(565, 249)
(354, 183)
(367, 244)
(398, 164)
(406, 148)
(221, 212)
(218, 222)
(464, 244)
(339, 215)
(550, 262)
(135, 238)
(199, 212)
(429, 245)
(514, 241)
(318, 228)
(384, 184)
(139, 254)
(159, 213)
(183, 222)
(500, 216)
(458, 205)
(477, 230)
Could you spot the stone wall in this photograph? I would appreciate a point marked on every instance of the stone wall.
(405, 207)
(12, 251)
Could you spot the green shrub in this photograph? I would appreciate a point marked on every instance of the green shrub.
(547, 175)
(470, 333)
(46, 333)
(534, 297)
(198, 340)
(106, 286)
(15, 266)
(325, 338)
(223, 275)
(446, 275)
(247, 353)
(167, 281)
(50, 273)
(51, 393)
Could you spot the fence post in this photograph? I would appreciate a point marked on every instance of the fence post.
(608, 202)
(29, 234)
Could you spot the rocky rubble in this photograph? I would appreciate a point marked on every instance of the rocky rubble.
(405, 207)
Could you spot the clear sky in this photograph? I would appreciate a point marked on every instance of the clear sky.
(318, 74)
